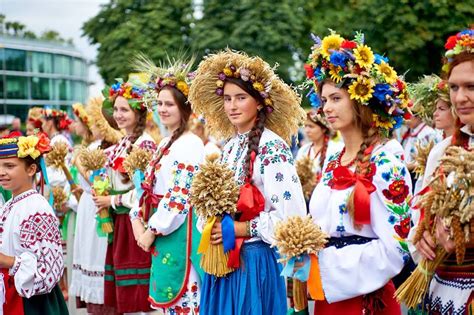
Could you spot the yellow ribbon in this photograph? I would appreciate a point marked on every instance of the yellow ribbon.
(206, 235)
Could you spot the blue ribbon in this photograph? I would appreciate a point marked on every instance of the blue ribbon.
(228, 232)
(95, 173)
(46, 180)
(302, 273)
(137, 179)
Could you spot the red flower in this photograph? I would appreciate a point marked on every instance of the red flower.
(176, 188)
(43, 144)
(348, 44)
(190, 168)
(403, 228)
(451, 42)
(309, 71)
(184, 191)
(400, 85)
(407, 115)
(180, 166)
(331, 166)
(397, 191)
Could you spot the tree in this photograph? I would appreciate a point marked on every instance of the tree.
(125, 27)
(259, 27)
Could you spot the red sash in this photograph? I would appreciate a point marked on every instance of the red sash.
(13, 301)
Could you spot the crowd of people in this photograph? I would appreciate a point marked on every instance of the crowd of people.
(107, 223)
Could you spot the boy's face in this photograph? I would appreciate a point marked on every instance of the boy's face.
(14, 174)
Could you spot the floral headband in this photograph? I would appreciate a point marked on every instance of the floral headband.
(456, 44)
(22, 147)
(243, 73)
(180, 78)
(132, 92)
(369, 78)
(81, 113)
(64, 120)
(425, 93)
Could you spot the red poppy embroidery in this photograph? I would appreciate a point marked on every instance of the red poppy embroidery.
(403, 228)
(397, 191)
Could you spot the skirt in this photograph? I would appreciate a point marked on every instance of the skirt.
(255, 288)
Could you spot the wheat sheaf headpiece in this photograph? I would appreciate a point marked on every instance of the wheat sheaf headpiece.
(94, 111)
(207, 100)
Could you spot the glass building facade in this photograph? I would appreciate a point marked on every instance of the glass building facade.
(37, 73)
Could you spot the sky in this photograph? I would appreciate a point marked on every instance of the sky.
(63, 16)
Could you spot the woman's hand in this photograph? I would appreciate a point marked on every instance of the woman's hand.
(146, 239)
(444, 237)
(138, 228)
(240, 229)
(102, 201)
(426, 246)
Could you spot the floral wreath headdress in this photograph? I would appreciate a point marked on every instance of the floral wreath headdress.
(369, 78)
(175, 72)
(34, 116)
(33, 146)
(81, 113)
(64, 120)
(132, 91)
(317, 116)
(457, 44)
(425, 93)
(280, 100)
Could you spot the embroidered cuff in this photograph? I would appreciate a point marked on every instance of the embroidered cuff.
(16, 266)
(253, 231)
(135, 214)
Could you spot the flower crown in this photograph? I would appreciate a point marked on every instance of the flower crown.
(456, 44)
(64, 120)
(81, 113)
(369, 78)
(22, 147)
(131, 91)
(425, 93)
(243, 73)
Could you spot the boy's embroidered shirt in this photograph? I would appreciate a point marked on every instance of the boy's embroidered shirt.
(173, 180)
(29, 231)
(373, 264)
(274, 175)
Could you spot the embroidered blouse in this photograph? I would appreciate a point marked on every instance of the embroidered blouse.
(29, 231)
(359, 269)
(307, 151)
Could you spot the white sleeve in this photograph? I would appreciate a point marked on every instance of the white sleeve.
(174, 207)
(39, 266)
(281, 189)
(359, 269)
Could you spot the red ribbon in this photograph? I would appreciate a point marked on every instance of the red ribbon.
(251, 202)
(363, 187)
(150, 200)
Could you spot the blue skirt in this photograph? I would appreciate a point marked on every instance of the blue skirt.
(256, 288)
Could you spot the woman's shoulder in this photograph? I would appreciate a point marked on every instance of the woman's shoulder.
(270, 140)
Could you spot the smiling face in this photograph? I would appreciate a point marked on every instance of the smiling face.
(15, 175)
(124, 115)
(461, 91)
(241, 108)
(338, 107)
(168, 110)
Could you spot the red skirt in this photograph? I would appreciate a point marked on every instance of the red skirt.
(357, 305)
(127, 270)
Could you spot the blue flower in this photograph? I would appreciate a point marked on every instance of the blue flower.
(287, 195)
(379, 59)
(342, 209)
(340, 228)
(318, 74)
(386, 176)
(392, 220)
(314, 100)
(338, 59)
(467, 32)
(381, 90)
(398, 122)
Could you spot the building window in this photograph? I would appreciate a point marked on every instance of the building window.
(2, 87)
(2, 58)
(77, 67)
(15, 60)
(41, 62)
(63, 90)
(40, 88)
(17, 87)
(62, 64)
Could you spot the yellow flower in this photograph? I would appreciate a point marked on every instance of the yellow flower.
(379, 123)
(268, 102)
(258, 86)
(27, 146)
(220, 83)
(127, 94)
(364, 56)
(227, 71)
(387, 72)
(334, 73)
(361, 90)
(183, 87)
(330, 42)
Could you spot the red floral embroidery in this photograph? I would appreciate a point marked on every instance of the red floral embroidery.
(397, 191)
(331, 166)
(403, 228)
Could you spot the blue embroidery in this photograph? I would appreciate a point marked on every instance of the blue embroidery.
(279, 177)
(287, 195)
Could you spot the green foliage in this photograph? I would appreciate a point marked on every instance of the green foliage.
(125, 27)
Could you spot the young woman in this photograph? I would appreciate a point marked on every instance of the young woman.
(250, 104)
(362, 198)
(127, 269)
(320, 144)
(451, 289)
(33, 121)
(165, 206)
(31, 258)
(87, 283)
